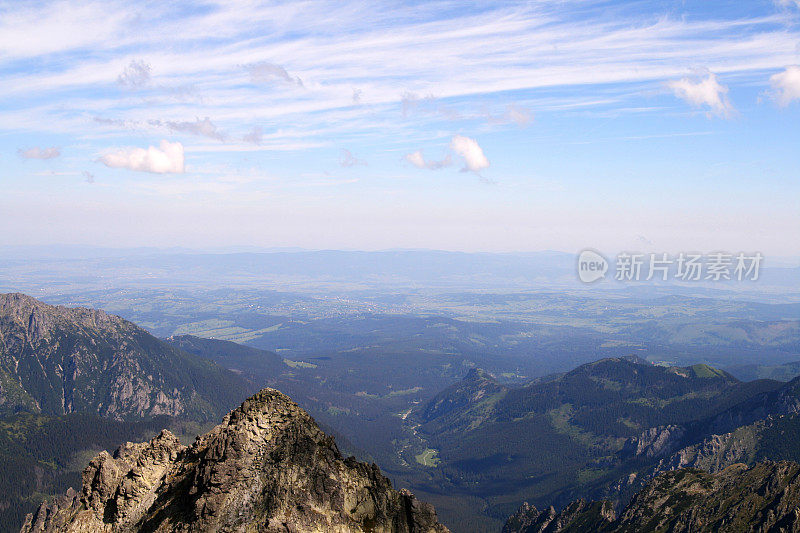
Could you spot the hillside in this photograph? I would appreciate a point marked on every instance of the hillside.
(267, 466)
(258, 366)
(57, 360)
(554, 439)
(764, 497)
(44, 455)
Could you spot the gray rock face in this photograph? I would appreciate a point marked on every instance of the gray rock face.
(655, 442)
(58, 360)
(267, 467)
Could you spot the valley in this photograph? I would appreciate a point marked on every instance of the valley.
(473, 416)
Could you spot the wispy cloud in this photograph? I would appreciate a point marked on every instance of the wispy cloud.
(203, 128)
(135, 75)
(704, 93)
(347, 159)
(39, 153)
(236, 62)
(166, 159)
(419, 161)
(411, 102)
(786, 85)
(514, 114)
(254, 136)
(266, 72)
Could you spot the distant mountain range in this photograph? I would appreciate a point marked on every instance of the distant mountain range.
(395, 269)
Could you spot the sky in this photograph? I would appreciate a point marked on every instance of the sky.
(488, 126)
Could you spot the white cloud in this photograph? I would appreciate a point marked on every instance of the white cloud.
(135, 75)
(419, 161)
(786, 85)
(473, 155)
(39, 153)
(788, 3)
(704, 92)
(168, 158)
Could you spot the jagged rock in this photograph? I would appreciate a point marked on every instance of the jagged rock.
(268, 467)
(655, 442)
(764, 498)
(579, 515)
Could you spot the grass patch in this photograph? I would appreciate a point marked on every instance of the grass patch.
(428, 457)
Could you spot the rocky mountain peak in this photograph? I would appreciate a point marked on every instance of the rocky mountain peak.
(39, 318)
(59, 360)
(266, 467)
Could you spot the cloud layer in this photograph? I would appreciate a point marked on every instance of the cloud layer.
(166, 159)
(354, 66)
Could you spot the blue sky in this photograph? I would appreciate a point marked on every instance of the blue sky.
(562, 124)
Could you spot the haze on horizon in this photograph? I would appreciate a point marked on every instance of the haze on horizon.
(486, 126)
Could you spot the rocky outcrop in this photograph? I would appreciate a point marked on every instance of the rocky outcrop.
(58, 360)
(655, 442)
(763, 498)
(268, 467)
(580, 515)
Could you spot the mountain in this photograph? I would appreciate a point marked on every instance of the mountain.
(465, 404)
(765, 497)
(614, 396)
(258, 366)
(764, 426)
(784, 372)
(578, 433)
(266, 467)
(57, 360)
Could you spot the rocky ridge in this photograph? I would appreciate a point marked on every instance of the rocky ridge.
(267, 467)
(764, 498)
